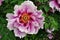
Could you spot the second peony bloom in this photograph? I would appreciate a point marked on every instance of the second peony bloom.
(25, 19)
(55, 4)
(1, 2)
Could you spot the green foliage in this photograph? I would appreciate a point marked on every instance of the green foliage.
(51, 23)
(46, 7)
(4, 32)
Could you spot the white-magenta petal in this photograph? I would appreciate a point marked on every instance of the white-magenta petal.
(9, 15)
(52, 4)
(19, 33)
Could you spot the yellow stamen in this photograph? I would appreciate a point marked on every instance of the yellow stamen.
(25, 17)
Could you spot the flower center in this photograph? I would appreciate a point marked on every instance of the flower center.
(25, 17)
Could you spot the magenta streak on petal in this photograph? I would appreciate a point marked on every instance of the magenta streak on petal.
(19, 13)
(56, 2)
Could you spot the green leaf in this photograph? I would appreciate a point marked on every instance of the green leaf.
(46, 7)
(41, 1)
(53, 23)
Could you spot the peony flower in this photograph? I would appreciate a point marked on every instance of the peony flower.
(25, 20)
(50, 30)
(1, 2)
(50, 36)
(55, 4)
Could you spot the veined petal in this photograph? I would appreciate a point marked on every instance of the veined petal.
(10, 24)
(55, 4)
(31, 29)
(52, 4)
(19, 33)
(29, 6)
(10, 16)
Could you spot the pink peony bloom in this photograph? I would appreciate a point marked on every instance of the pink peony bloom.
(50, 36)
(1, 2)
(55, 4)
(25, 20)
(50, 30)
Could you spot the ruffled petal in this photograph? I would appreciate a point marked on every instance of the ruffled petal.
(28, 6)
(19, 33)
(35, 23)
(10, 24)
(36, 30)
(23, 29)
(52, 4)
(31, 29)
(59, 1)
(10, 16)
(50, 36)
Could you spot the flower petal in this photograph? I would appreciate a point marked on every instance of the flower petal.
(10, 16)
(50, 36)
(49, 31)
(19, 33)
(10, 24)
(52, 4)
(31, 29)
(29, 6)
